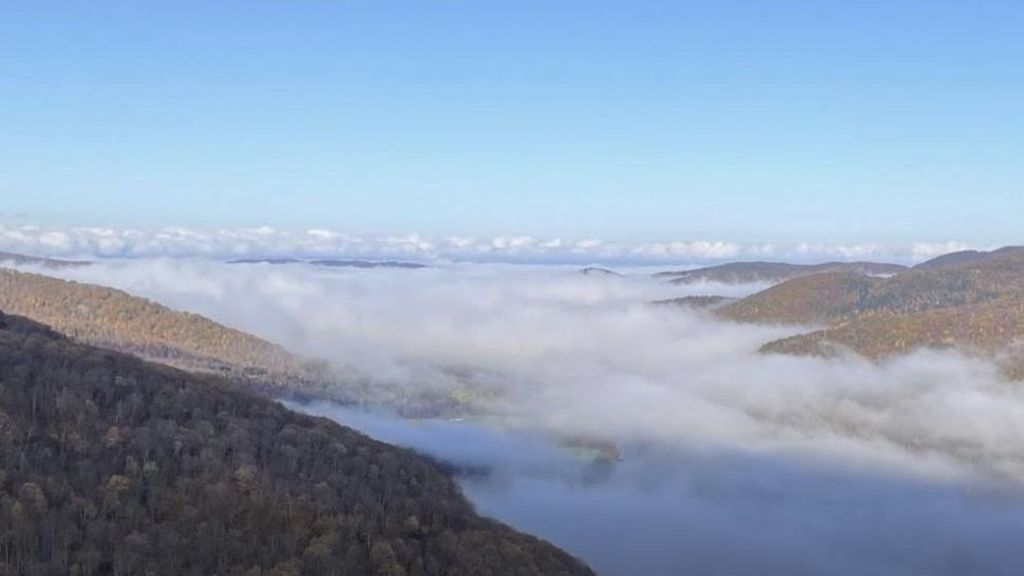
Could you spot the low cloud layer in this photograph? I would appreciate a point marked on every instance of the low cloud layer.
(581, 354)
(108, 242)
(735, 463)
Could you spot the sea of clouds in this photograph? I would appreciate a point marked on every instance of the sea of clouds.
(265, 241)
(590, 355)
(734, 462)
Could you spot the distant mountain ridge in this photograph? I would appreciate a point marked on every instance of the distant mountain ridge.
(341, 263)
(266, 261)
(334, 263)
(964, 257)
(23, 259)
(833, 296)
(599, 271)
(970, 301)
(772, 272)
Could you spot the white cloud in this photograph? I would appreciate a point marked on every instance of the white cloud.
(925, 251)
(736, 463)
(265, 241)
(581, 354)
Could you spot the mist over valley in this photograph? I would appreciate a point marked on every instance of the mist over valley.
(637, 434)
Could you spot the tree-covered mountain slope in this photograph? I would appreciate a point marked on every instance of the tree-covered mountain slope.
(993, 329)
(113, 465)
(117, 320)
(816, 299)
(963, 257)
(832, 298)
(120, 321)
(972, 302)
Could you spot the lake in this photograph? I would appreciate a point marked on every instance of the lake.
(665, 511)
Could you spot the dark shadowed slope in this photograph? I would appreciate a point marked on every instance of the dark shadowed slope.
(772, 272)
(114, 319)
(112, 465)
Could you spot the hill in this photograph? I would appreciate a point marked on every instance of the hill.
(773, 272)
(973, 302)
(598, 271)
(22, 259)
(117, 320)
(113, 465)
(815, 299)
(993, 329)
(962, 257)
(114, 319)
(831, 297)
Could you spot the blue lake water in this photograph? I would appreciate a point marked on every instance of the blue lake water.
(665, 512)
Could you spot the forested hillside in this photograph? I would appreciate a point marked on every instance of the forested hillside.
(113, 465)
(117, 320)
(834, 298)
(963, 257)
(819, 298)
(114, 319)
(971, 301)
(993, 329)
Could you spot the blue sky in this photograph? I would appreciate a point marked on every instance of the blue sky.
(764, 120)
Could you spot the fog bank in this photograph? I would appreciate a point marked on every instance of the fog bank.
(556, 350)
(734, 462)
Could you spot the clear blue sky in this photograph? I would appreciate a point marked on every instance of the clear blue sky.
(746, 120)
